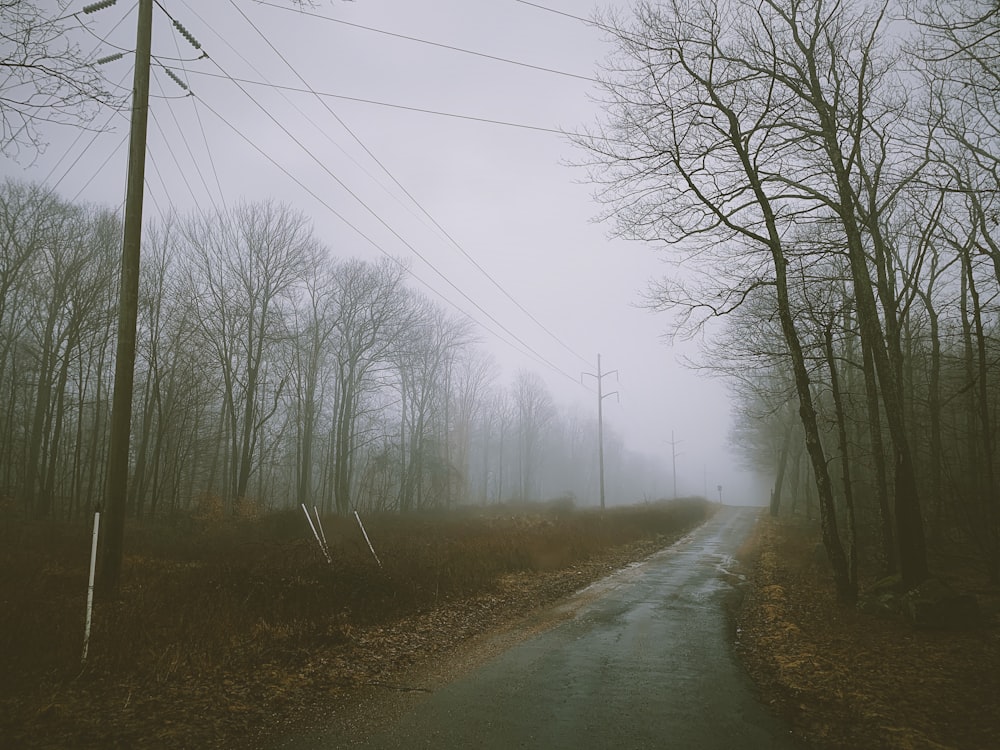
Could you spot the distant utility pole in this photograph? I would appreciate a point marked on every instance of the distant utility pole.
(601, 395)
(673, 456)
(128, 311)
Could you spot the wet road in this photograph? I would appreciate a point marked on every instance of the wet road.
(642, 659)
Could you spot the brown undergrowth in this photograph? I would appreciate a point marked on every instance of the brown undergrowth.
(846, 679)
(227, 632)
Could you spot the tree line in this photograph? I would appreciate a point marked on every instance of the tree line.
(268, 373)
(826, 175)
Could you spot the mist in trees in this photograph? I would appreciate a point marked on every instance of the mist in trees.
(269, 372)
(824, 176)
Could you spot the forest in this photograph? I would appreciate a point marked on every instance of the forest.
(824, 175)
(269, 373)
(822, 178)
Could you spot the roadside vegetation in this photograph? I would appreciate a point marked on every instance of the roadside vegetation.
(844, 678)
(822, 175)
(227, 630)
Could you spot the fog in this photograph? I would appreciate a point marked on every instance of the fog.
(477, 193)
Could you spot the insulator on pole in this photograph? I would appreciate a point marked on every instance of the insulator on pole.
(110, 58)
(187, 35)
(176, 79)
(94, 7)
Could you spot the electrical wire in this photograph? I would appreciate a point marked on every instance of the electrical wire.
(526, 350)
(52, 96)
(95, 134)
(557, 12)
(362, 100)
(201, 128)
(378, 217)
(148, 191)
(415, 202)
(187, 146)
(97, 171)
(322, 131)
(449, 47)
(208, 150)
(401, 239)
(173, 156)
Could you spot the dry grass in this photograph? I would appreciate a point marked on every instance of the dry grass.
(224, 626)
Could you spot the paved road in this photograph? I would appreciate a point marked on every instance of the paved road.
(642, 660)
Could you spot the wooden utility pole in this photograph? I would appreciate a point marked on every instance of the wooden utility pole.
(128, 312)
(600, 417)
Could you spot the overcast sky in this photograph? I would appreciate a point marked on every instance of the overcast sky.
(504, 194)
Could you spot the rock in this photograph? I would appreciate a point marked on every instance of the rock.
(935, 604)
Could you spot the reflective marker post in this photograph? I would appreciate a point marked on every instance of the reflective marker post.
(90, 587)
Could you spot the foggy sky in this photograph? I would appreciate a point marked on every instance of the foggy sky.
(506, 194)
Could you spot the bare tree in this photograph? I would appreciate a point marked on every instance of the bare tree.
(72, 268)
(534, 412)
(315, 327)
(372, 312)
(246, 265)
(695, 155)
(428, 345)
(475, 373)
(45, 76)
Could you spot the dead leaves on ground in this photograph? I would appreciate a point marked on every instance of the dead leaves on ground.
(849, 680)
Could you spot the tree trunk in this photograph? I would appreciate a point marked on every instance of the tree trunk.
(779, 479)
(987, 495)
(845, 458)
(878, 457)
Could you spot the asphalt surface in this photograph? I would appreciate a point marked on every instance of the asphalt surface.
(642, 659)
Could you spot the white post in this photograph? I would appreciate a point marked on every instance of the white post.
(90, 587)
(322, 548)
(367, 539)
(319, 525)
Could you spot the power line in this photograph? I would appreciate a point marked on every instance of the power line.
(325, 132)
(97, 171)
(374, 214)
(396, 234)
(375, 102)
(434, 44)
(52, 96)
(557, 12)
(527, 350)
(535, 354)
(201, 128)
(392, 177)
(173, 156)
(96, 133)
(322, 131)
(187, 146)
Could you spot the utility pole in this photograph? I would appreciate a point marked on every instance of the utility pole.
(128, 307)
(601, 395)
(673, 457)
